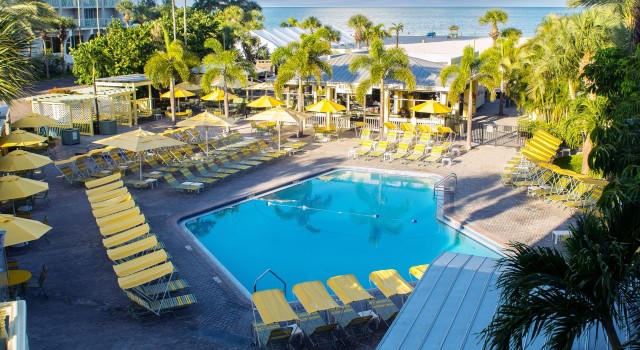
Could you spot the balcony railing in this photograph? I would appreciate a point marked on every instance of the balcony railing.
(90, 23)
(83, 3)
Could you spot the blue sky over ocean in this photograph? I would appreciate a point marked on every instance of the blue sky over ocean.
(413, 3)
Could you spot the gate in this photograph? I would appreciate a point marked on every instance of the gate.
(499, 135)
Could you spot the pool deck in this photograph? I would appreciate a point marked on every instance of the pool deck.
(86, 308)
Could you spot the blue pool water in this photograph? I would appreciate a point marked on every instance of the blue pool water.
(342, 222)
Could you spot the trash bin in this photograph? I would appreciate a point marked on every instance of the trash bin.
(70, 136)
(108, 127)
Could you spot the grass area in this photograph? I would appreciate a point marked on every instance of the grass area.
(573, 163)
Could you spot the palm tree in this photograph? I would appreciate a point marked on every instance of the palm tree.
(494, 17)
(333, 35)
(311, 23)
(359, 23)
(472, 69)
(560, 296)
(374, 32)
(127, 9)
(64, 25)
(16, 72)
(506, 52)
(628, 10)
(382, 63)
(165, 66)
(236, 26)
(302, 60)
(290, 22)
(227, 65)
(175, 33)
(396, 28)
(31, 14)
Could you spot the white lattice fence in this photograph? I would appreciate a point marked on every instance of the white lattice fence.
(82, 116)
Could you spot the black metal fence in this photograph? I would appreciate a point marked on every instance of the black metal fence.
(499, 135)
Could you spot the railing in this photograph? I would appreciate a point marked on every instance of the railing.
(92, 23)
(441, 185)
(255, 283)
(373, 122)
(83, 3)
(339, 120)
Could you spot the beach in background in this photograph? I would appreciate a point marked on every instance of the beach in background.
(418, 20)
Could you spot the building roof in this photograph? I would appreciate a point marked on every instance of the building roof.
(60, 98)
(129, 78)
(453, 302)
(277, 37)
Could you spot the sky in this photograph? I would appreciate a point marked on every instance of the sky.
(412, 3)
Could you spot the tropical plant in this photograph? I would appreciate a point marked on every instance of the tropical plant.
(311, 23)
(202, 26)
(165, 66)
(64, 25)
(382, 64)
(217, 5)
(625, 9)
(359, 23)
(236, 26)
(332, 34)
(494, 17)
(227, 65)
(472, 70)
(290, 22)
(396, 28)
(127, 9)
(506, 52)
(374, 32)
(32, 15)
(561, 296)
(302, 60)
(145, 12)
(16, 72)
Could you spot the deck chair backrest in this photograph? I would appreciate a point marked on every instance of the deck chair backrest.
(392, 136)
(366, 134)
(419, 149)
(403, 146)
(103, 181)
(43, 275)
(66, 172)
(382, 145)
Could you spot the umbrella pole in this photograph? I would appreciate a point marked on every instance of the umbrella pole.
(140, 154)
(278, 136)
(206, 140)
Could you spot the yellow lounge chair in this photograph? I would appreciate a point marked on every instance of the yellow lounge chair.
(122, 225)
(390, 283)
(103, 181)
(117, 217)
(437, 153)
(315, 299)
(113, 201)
(349, 290)
(131, 249)
(127, 236)
(365, 148)
(392, 136)
(106, 211)
(105, 188)
(417, 153)
(401, 152)
(108, 195)
(381, 148)
(418, 271)
(408, 137)
(273, 309)
(140, 263)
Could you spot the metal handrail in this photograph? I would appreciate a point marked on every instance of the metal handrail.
(440, 184)
(255, 283)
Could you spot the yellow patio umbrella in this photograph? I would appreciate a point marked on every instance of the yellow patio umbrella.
(20, 138)
(279, 115)
(33, 120)
(431, 106)
(207, 119)
(139, 141)
(326, 106)
(20, 160)
(217, 95)
(15, 187)
(265, 102)
(21, 230)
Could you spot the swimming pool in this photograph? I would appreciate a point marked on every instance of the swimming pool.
(345, 221)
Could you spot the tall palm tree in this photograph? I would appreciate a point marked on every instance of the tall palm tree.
(359, 23)
(236, 27)
(165, 66)
(64, 26)
(506, 52)
(302, 60)
(396, 28)
(127, 9)
(494, 17)
(31, 14)
(377, 31)
(228, 65)
(382, 64)
(16, 72)
(311, 23)
(483, 69)
(290, 22)
(560, 296)
(628, 10)
(333, 35)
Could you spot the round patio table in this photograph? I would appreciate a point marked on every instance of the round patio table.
(15, 277)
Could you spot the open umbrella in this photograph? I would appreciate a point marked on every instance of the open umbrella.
(33, 121)
(266, 86)
(265, 102)
(178, 93)
(21, 230)
(433, 107)
(20, 160)
(191, 87)
(326, 106)
(279, 114)
(207, 119)
(20, 138)
(217, 95)
(139, 141)
(14, 187)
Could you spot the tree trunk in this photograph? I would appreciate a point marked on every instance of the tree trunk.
(469, 113)
(184, 18)
(62, 39)
(300, 106)
(501, 107)
(397, 39)
(45, 57)
(175, 35)
(226, 103)
(172, 100)
(636, 23)
(494, 33)
(610, 330)
(95, 98)
(382, 118)
(586, 149)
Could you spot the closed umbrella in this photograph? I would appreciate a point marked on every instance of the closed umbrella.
(207, 120)
(20, 138)
(326, 106)
(265, 102)
(433, 107)
(219, 82)
(21, 230)
(178, 93)
(14, 187)
(20, 160)
(139, 141)
(33, 121)
(279, 115)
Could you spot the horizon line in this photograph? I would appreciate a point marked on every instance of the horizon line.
(358, 7)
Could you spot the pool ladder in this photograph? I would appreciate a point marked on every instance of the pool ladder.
(267, 271)
(446, 184)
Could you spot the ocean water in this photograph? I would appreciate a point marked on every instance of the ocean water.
(418, 20)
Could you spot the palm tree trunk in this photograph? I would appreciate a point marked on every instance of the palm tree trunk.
(172, 99)
(610, 329)
(501, 107)
(173, 16)
(45, 57)
(382, 118)
(95, 98)
(469, 112)
(397, 39)
(300, 105)
(226, 102)
(62, 39)
(587, 145)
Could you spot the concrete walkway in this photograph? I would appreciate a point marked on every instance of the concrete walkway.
(86, 309)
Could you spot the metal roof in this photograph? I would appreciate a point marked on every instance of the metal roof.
(129, 78)
(60, 98)
(453, 302)
(104, 91)
(277, 37)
